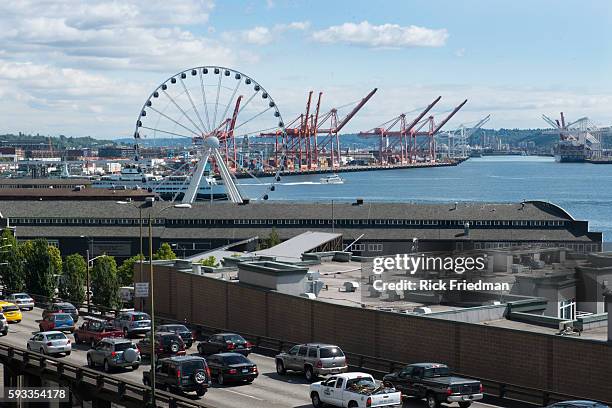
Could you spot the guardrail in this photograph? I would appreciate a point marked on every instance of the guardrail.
(100, 386)
(374, 365)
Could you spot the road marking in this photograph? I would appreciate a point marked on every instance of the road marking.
(243, 394)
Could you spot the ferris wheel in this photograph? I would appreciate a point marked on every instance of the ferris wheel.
(212, 116)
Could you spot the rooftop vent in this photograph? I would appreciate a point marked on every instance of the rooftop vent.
(359, 201)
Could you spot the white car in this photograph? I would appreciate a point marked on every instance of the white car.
(3, 325)
(23, 300)
(50, 342)
(355, 390)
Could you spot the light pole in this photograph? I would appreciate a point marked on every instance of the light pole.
(152, 287)
(88, 254)
(141, 253)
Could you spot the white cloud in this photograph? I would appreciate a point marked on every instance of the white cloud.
(263, 35)
(382, 36)
(460, 52)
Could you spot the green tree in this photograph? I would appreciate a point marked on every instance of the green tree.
(125, 273)
(73, 279)
(164, 252)
(56, 258)
(105, 283)
(40, 268)
(272, 240)
(210, 261)
(12, 272)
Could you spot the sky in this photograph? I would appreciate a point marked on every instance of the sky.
(85, 68)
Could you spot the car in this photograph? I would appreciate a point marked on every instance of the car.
(132, 322)
(61, 307)
(231, 367)
(435, 383)
(578, 404)
(3, 325)
(50, 342)
(314, 359)
(166, 344)
(225, 343)
(354, 390)
(179, 329)
(113, 353)
(11, 311)
(93, 330)
(57, 321)
(23, 300)
(180, 373)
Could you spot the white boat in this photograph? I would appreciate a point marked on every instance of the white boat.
(133, 177)
(332, 179)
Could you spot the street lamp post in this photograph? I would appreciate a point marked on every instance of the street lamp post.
(88, 254)
(151, 283)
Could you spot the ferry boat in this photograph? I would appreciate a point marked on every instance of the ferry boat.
(168, 187)
(332, 179)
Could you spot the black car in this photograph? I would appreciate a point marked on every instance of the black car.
(179, 329)
(180, 374)
(231, 367)
(578, 404)
(435, 383)
(166, 345)
(225, 343)
(62, 307)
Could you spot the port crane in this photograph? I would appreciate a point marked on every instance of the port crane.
(463, 134)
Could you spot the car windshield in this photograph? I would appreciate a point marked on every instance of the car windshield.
(437, 372)
(170, 338)
(67, 308)
(189, 367)
(9, 308)
(21, 296)
(56, 336)
(123, 346)
(177, 328)
(237, 359)
(63, 316)
(138, 317)
(234, 338)
(363, 382)
(330, 352)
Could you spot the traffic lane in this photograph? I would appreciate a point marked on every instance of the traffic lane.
(265, 391)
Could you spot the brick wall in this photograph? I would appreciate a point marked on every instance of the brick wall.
(564, 365)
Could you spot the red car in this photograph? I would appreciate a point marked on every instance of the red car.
(94, 330)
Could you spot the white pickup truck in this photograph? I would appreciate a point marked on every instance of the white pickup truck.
(353, 390)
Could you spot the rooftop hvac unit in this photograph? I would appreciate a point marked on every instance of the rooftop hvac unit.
(350, 286)
(421, 310)
(310, 296)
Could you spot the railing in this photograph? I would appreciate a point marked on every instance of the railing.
(374, 365)
(103, 387)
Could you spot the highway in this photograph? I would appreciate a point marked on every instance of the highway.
(268, 390)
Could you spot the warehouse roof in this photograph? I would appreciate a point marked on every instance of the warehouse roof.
(294, 247)
(532, 210)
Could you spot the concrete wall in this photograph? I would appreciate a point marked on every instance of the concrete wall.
(472, 314)
(566, 365)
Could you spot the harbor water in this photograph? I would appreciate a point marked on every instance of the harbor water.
(583, 189)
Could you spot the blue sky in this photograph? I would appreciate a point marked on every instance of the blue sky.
(85, 68)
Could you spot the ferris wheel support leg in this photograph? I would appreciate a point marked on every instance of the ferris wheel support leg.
(230, 186)
(194, 184)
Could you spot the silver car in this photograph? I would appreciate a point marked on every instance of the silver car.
(132, 323)
(50, 342)
(3, 325)
(314, 359)
(23, 300)
(113, 353)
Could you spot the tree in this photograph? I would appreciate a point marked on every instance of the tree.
(56, 258)
(210, 261)
(104, 283)
(73, 278)
(39, 264)
(125, 273)
(164, 252)
(12, 273)
(272, 240)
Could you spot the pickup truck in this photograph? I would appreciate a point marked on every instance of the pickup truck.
(435, 383)
(353, 390)
(94, 330)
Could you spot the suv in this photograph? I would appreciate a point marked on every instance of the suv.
(132, 323)
(185, 374)
(62, 307)
(166, 344)
(179, 329)
(314, 359)
(114, 353)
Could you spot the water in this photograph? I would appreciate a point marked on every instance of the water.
(585, 190)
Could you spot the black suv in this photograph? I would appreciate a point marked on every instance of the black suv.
(166, 345)
(179, 329)
(180, 374)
